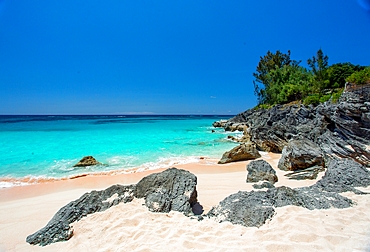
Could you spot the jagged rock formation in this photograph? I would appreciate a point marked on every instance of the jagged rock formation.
(260, 170)
(341, 129)
(299, 155)
(87, 161)
(255, 207)
(173, 189)
(58, 228)
(245, 151)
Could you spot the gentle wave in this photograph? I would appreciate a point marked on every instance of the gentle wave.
(7, 182)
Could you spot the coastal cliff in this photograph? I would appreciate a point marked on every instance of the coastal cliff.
(339, 129)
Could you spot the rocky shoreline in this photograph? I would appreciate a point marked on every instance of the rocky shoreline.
(330, 137)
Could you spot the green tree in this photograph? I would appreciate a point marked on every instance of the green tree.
(338, 73)
(267, 63)
(319, 65)
(288, 83)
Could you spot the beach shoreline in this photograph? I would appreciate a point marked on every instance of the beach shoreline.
(26, 209)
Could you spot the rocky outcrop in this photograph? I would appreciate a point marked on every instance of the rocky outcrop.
(172, 189)
(245, 151)
(87, 161)
(252, 209)
(344, 175)
(58, 228)
(255, 207)
(299, 155)
(219, 124)
(341, 129)
(260, 170)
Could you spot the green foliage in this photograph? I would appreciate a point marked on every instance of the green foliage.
(319, 65)
(335, 96)
(269, 62)
(263, 106)
(312, 99)
(280, 80)
(338, 73)
(287, 84)
(360, 77)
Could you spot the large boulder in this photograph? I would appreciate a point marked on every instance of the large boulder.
(259, 170)
(87, 161)
(300, 154)
(172, 189)
(245, 151)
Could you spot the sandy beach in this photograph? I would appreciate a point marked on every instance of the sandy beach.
(131, 227)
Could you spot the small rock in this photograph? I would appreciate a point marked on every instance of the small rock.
(245, 151)
(87, 161)
(259, 170)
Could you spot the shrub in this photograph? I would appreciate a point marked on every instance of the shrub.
(312, 99)
(360, 77)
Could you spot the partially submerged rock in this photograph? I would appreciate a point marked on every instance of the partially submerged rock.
(245, 151)
(87, 161)
(300, 154)
(259, 170)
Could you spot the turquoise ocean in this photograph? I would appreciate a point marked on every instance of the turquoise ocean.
(47, 147)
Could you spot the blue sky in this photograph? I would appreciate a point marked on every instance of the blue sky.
(161, 57)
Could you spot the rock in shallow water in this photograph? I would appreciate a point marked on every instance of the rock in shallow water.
(87, 161)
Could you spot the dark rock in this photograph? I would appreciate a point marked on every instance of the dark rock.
(264, 184)
(261, 170)
(344, 175)
(308, 173)
(172, 189)
(87, 161)
(300, 154)
(58, 228)
(252, 209)
(219, 124)
(245, 151)
(341, 129)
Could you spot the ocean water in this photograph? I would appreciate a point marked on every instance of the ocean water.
(44, 147)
